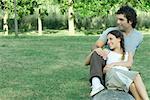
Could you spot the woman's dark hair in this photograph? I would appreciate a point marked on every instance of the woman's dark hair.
(129, 13)
(118, 34)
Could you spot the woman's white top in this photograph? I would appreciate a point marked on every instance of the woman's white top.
(116, 57)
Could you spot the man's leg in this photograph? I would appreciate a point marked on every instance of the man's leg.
(96, 67)
(96, 73)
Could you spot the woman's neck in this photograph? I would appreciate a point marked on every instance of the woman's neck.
(119, 50)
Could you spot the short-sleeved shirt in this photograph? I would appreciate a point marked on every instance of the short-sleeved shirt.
(132, 40)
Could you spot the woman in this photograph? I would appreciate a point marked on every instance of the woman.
(118, 75)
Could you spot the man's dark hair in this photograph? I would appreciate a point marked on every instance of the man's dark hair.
(129, 13)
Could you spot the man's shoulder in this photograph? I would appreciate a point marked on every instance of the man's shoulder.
(112, 28)
(137, 33)
(105, 32)
(103, 36)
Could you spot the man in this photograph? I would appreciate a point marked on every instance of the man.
(126, 20)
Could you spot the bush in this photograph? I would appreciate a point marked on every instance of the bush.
(143, 20)
(92, 32)
(55, 19)
(28, 23)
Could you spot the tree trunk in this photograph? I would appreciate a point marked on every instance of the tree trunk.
(5, 18)
(71, 18)
(16, 23)
(39, 23)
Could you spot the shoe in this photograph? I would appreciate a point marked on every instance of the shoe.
(96, 90)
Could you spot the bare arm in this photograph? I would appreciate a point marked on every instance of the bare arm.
(98, 51)
(87, 60)
(127, 63)
(98, 44)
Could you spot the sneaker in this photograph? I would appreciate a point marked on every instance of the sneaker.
(96, 90)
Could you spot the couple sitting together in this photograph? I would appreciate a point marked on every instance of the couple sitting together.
(111, 68)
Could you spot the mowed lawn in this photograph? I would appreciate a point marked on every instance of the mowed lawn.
(52, 68)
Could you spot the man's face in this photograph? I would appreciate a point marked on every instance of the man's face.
(123, 23)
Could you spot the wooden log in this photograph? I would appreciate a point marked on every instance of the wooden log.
(112, 95)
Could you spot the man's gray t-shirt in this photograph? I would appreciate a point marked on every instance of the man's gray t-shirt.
(132, 40)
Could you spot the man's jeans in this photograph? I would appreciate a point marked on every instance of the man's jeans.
(97, 64)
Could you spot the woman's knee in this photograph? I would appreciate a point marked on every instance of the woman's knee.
(132, 85)
(138, 76)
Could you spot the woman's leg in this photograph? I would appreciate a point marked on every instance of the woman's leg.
(140, 87)
(134, 92)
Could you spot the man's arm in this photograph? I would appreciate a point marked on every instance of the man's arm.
(103, 38)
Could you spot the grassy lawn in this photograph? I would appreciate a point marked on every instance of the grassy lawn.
(52, 68)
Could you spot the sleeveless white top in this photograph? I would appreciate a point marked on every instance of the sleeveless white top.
(116, 57)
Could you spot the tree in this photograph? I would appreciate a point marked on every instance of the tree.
(67, 6)
(5, 16)
(71, 17)
(40, 7)
(16, 23)
(11, 11)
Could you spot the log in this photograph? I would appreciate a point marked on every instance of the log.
(112, 95)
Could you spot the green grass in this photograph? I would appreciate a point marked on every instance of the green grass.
(52, 68)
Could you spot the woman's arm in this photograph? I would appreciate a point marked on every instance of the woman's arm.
(99, 51)
(127, 63)
(87, 60)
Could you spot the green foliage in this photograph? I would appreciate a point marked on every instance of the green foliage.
(7, 5)
(25, 7)
(28, 23)
(42, 5)
(144, 5)
(89, 14)
(55, 19)
(92, 8)
(143, 20)
(92, 31)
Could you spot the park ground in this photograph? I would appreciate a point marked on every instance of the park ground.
(52, 67)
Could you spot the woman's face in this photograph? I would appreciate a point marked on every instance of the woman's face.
(113, 42)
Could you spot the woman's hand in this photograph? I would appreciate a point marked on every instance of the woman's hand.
(101, 53)
(107, 67)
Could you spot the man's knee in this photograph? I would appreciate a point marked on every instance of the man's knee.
(95, 55)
